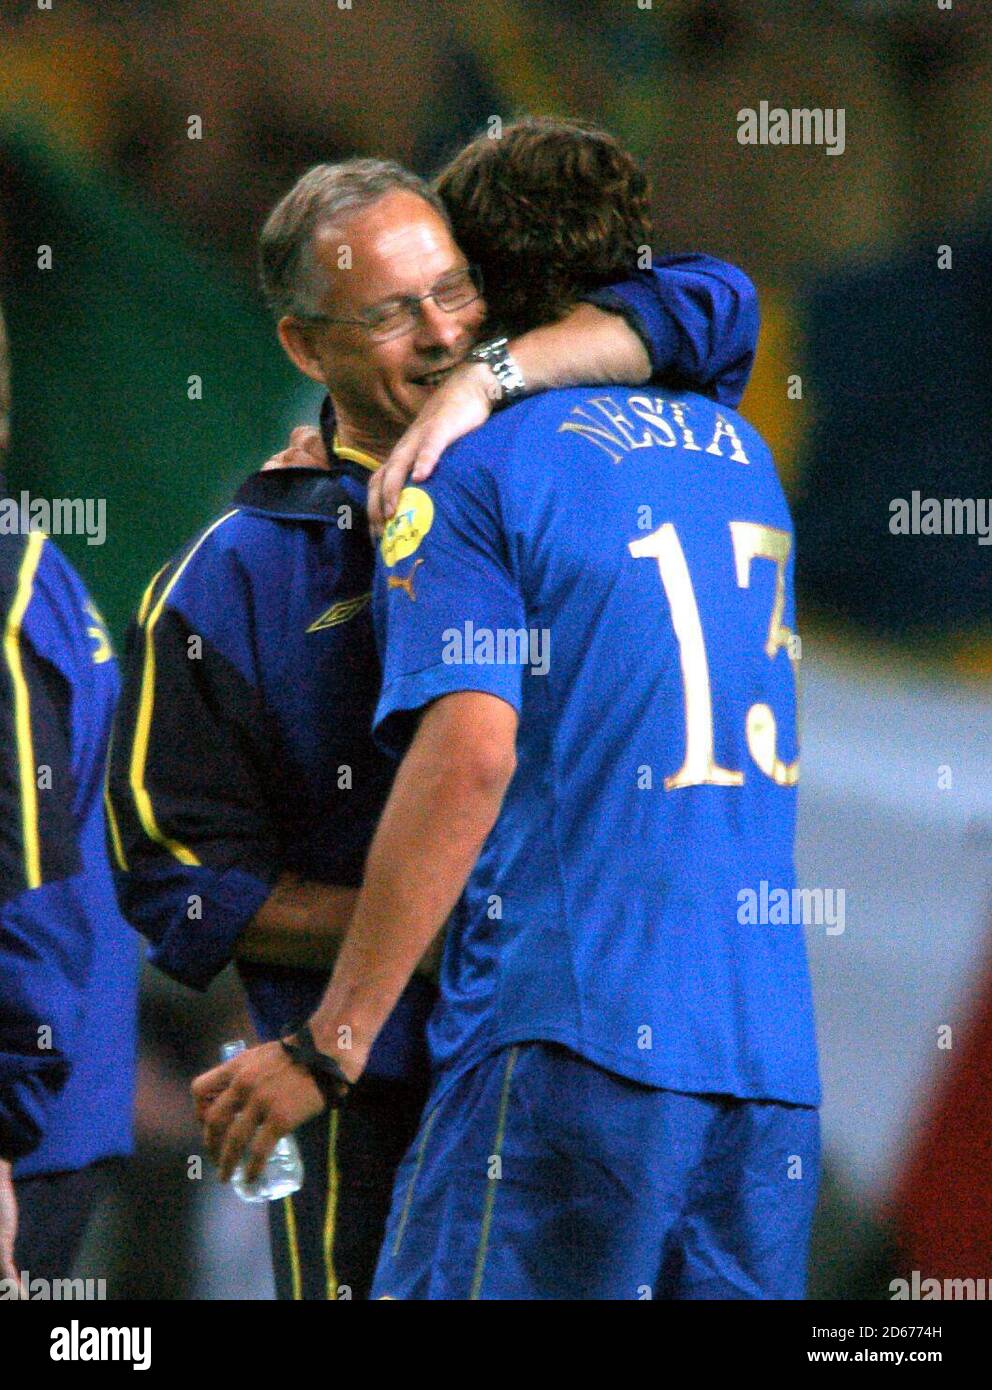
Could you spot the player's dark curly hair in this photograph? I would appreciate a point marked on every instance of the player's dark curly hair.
(548, 209)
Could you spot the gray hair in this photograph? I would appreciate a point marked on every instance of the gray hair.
(326, 192)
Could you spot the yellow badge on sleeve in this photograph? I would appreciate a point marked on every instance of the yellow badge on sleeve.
(403, 534)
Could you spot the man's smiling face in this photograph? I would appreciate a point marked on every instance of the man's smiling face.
(399, 246)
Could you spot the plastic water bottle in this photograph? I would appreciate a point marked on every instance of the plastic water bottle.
(283, 1172)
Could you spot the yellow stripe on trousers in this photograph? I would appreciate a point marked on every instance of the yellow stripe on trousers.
(487, 1209)
(331, 1209)
(408, 1199)
(294, 1249)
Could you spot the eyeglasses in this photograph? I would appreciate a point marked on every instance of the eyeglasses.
(394, 317)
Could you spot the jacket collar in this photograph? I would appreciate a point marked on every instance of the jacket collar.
(346, 456)
(308, 492)
(300, 493)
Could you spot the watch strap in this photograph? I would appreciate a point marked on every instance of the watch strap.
(301, 1049)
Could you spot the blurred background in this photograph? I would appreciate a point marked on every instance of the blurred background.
(144, 143)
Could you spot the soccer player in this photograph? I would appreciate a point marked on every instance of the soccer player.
(255, 757)
(586, 619)
(68, 963)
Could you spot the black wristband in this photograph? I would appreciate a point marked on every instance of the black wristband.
(334, 1085)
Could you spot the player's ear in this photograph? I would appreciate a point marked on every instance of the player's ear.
(296, 343)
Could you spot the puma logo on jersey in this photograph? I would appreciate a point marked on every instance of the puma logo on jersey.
(405, 584)
(340, 612)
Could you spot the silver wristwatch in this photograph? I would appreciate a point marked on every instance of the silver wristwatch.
(504, 368)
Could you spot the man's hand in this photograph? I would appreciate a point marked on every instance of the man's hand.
(304, 450)
(8, 1223)
(246, 1105)
(462, 402)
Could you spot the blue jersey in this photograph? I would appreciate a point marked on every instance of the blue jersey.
(68, 961)
(617, 565)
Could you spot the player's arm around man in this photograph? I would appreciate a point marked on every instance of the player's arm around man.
(696, 318)
(690, 319)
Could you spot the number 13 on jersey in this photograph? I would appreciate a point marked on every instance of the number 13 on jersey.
(750, 541)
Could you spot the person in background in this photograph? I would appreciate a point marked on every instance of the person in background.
(68, 961)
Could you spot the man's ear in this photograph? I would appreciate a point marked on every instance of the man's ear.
(295, 339)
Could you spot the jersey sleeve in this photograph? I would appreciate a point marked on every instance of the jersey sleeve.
(448, 611)
(192, 841)
(45, 945)
(698, 319)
